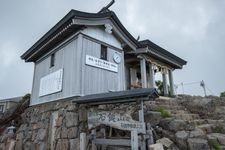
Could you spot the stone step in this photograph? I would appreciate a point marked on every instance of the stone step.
(166, 103)
(211, 121)
(207, 121)
(186, 117)
(167, 107)
(217, 136)
(197, 122)
(207, 128)
(178, 111)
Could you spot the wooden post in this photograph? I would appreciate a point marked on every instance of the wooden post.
(165, 87)
(151, 75)
(133, 77)
(83, 141)
(141, 119)
(143, 73)
(93, 133)
(172, 93)
(134, 140)
(150, 134)
(104, 136)
(110, 131)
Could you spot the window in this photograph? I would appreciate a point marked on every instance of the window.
(52, 61)
(1, 108)
(103, 52)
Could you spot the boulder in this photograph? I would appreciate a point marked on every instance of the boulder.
(165, 142)
(74, 144)
(218, 136)
(72, 132)
(153, 117)
(207, 128)
(157, 146)
(19, 145)
(62, 144)
(197, 133)
(41, 135)
(71, 119)
(177, 125)
(28, 146)
(164, 123)
(181, 139)
(59, 121)
(198, 144)
(10, 144)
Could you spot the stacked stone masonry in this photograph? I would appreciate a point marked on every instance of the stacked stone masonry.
(57, 125)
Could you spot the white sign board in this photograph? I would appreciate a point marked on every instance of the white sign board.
(51, 83)
(99, 63)
(114, 119)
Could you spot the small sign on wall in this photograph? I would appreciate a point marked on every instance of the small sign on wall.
(99, 63)
(51, 83)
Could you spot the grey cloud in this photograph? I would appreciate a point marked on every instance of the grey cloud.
(193, 30)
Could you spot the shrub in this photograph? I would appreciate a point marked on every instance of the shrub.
(218, 129)
(164, 112)
(214, 144)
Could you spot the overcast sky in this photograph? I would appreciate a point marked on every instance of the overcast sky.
(191, 29)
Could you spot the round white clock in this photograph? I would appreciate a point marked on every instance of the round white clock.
(117, 57)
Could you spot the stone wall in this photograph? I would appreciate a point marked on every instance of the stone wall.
(57, 125)
(47, 126)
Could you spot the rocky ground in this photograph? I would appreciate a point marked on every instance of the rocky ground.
(186, 122)
(181, 123)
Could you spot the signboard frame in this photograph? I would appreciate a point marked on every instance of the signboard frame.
(51, 83)
(115, 119)
(100, 63)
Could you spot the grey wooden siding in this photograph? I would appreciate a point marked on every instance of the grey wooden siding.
(66, 58)
(78, 78)
(98, 80)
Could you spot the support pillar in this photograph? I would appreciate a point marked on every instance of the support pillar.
(133, 77)
(151, 76)
(143, 73)
(165, 87)
(83, 141)
(172, 93)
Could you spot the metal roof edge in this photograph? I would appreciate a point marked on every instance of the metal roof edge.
(162, 51)
(70, 15)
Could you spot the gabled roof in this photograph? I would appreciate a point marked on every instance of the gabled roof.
(66, 27)
(163, 54)
(76, 20)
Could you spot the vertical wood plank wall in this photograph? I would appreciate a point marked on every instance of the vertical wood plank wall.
(78, 78)
(64, 58)
(99, 80)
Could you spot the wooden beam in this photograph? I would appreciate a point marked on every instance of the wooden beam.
(143, 73)
(83, 141)
(118, 142)
(151, 76)
(172, 93)
(93, 133)
(134, 140)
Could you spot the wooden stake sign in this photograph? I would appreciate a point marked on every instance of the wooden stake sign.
(114, 119)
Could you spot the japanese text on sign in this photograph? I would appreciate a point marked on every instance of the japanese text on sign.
(114, 119)
(99, 63)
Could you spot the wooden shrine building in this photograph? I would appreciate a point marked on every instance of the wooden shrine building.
(92, 53)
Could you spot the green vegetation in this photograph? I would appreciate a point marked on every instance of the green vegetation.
(164, 112)
(159, 85)
(218, 129)
(214, 144)
(222, 94)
